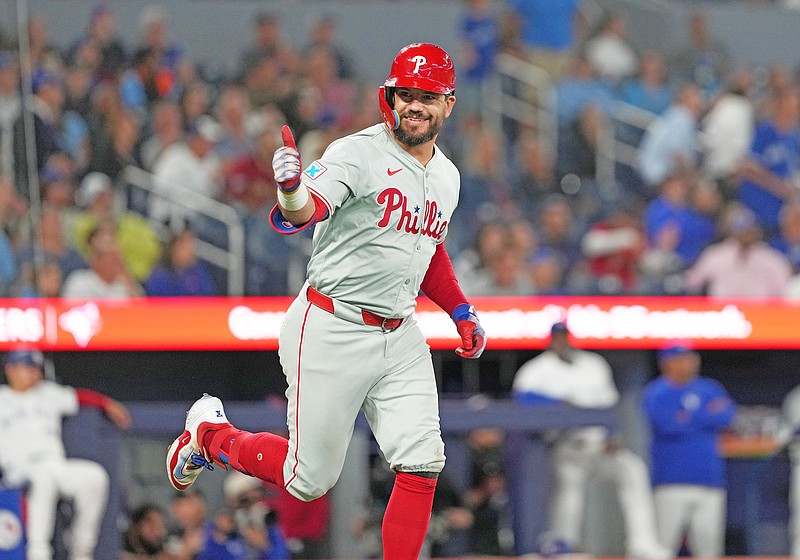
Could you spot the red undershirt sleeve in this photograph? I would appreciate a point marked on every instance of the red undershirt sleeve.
(91, 399)
(440, 284)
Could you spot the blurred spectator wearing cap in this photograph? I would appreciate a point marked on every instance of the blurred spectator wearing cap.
(533, 177)
(788, 239)
(337, 96)
(610, 51)
(649, 89)
(268, 44)
(741, 265)
(676, 232)
(559, 229)
(107, 277)
(250, 189)
(788, 243)
(613, 248)
(195, 102)
(180, 272)
(121, 148)
(101, 32)
(46, 108)
(687, 412)
(186, 168)
(153, 32)
(478, 38)
(255, 521)
(139, 86)
(9, 109)
(727, 132)
(565, 374)
(9, 267)
(138, 242)
(704, 60)
(43, 53)
(504, 274)
(670, 143)
(166, 129)
(31, 410)
(52, 244)
(322, 33)
(769, 172)
(584, 104)
(232, 111)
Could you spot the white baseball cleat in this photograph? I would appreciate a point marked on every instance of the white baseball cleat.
(186, 457)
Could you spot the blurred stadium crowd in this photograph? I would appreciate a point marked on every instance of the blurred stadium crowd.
(704, 157)
(702, 197)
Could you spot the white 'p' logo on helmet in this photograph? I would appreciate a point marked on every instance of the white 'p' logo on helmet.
(419, 60)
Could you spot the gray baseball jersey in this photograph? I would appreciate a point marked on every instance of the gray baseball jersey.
(388, 212)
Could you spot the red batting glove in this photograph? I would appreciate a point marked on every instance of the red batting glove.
(473, 337)
(286, 163)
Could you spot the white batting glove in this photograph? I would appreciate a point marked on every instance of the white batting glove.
(286, 163)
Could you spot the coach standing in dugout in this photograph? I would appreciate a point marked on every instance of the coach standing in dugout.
(687, 413)
(575, 377)
(380, 201)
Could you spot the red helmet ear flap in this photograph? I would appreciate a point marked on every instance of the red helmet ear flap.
(385, 102)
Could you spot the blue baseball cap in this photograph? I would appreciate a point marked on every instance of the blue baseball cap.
(28, 357)
(673, 351)
(6, 59)
(559, 328)
(45, 77)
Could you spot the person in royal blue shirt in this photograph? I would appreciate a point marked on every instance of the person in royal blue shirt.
(180, 273)
(687, 412)
(769, 172)
(479, 40)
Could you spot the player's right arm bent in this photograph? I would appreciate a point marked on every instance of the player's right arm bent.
(294, 200)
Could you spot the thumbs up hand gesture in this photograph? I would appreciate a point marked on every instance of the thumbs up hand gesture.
(286, 163)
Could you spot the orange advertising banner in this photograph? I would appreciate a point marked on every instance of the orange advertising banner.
(511, 323)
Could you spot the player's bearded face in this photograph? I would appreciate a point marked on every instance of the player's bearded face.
(422, 115)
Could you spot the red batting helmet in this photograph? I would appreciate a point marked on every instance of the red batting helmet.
(419, 65)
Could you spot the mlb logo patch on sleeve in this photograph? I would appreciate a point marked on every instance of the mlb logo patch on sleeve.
(315, 170)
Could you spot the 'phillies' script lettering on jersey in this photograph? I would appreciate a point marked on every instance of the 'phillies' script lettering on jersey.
(432, 224)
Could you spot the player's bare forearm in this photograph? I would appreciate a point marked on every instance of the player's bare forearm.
(299, 217)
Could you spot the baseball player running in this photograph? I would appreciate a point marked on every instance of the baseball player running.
(380, 201)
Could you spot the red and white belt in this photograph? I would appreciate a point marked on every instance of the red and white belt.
(351, 312)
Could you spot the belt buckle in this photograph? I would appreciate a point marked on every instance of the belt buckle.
(383, 324)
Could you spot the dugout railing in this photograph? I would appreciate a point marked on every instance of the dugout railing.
(227, 251)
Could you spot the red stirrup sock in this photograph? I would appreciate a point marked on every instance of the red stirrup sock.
(260, 455)
(405, 522)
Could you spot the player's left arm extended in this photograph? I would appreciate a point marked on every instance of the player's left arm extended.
(115, 410)
(441, 286)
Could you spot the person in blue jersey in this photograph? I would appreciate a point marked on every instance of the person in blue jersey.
(687, 413)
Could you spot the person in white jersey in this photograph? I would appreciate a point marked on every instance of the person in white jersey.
(31, 410)
(566, 374)
(380, 201)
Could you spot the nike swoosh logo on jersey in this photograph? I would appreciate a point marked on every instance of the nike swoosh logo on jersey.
(390, 172)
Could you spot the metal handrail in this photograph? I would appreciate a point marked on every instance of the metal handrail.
(230, 259)
(498, 104)
(611, 150)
